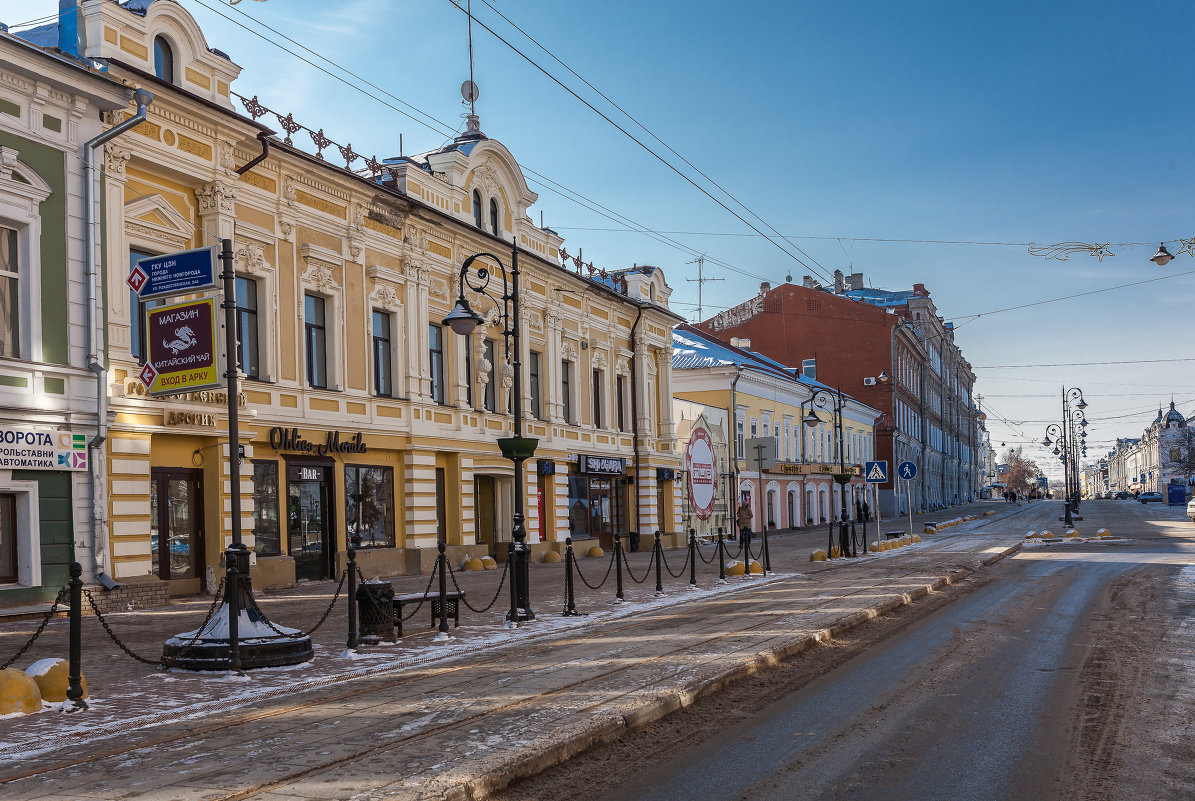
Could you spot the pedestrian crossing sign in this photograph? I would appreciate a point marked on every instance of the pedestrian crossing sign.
(876, 472)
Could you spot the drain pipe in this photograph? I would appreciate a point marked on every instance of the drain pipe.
(635, 415)
(95, 360)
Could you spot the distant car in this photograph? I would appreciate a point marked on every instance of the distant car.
(1150, 497)
(1123, 496)
(1191, 509)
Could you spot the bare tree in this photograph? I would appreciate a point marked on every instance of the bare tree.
(1020, 474)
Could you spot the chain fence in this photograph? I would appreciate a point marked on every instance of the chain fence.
(464, 600)
(646, 573)
(713, 556)
(161, 662)
(270, 624)
(679, 573)
(600, 584)
(41, 627)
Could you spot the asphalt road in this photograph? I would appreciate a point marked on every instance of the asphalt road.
(1063, 673)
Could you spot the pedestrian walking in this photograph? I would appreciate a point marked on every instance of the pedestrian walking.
(744, 519)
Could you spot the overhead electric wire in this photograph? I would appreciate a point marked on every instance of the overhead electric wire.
(1081, 364)
(632, 137)
(642, 127)
(1076, 295)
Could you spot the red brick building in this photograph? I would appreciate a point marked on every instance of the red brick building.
(891, 351)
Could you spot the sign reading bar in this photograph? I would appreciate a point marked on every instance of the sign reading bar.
(602, 464)
(33, 449)
(701, 472)
(181, 341)
(182, 273)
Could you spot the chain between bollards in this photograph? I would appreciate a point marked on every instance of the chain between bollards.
(570, 605)
(693, 557)
(74, 690)
(354, 633)
(618, 597)
(721, 557)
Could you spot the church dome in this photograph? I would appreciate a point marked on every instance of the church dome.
(1174, 416)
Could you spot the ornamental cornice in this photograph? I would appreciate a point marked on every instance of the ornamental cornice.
(568, 350)
(142, 231)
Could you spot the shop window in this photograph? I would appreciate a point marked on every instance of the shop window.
(578, 507)
(435, 346)
(248, 348)
(533, 378)
(383, 379)
(491, 384)
(8, 538)
(163, 59)
(316, 341)
(266, 531)
(566, 390)
(369, 506)
(10, 293)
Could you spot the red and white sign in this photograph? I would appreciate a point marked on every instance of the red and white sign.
(137, 278)
(701, 473)
(147, 375)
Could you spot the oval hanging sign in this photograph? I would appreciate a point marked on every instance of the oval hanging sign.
(701, 473)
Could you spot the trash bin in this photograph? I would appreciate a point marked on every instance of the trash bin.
(375, 611)
(633, 540)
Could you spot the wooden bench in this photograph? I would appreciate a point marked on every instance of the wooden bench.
(892, 535)
(432, 599)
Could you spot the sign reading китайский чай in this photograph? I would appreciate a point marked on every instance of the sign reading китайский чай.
(181, 348)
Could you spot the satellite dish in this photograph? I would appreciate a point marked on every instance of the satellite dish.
(470, 92)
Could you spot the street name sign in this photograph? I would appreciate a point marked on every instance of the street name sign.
(181, 273)
(876, 472)
(907, 471)
(182, 351)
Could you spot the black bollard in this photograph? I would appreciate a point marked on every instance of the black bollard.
(352, 569)
(618, 568)
(693, 557)
(746, 554)
(659, 565)
(512, 617)
(74, 690)
(830, 541)
(232, 598)
(570, 605)
(442, 566)
(767, 557)
(721, 557)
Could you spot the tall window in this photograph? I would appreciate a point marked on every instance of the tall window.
(369, 506)
(163, 59)
(248, 348)
(740, 437)
(597, 398)
(566, 389)
(533, 373)
(383, 381)
(8, 538)
(494, 217)
(620, 402)
(316, 341)
(491, 389)
(435, 346)
(266, 533)
(469, 371)
(441, 505)
(477, 208)
(10, 307)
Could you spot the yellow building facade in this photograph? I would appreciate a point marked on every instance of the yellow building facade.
(365, 422)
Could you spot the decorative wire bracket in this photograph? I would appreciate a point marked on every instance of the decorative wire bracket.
(1063, 250)
(255, 109)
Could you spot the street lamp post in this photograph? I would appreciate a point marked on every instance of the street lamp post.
(1066, 445)
(463, 320)
(823, 398)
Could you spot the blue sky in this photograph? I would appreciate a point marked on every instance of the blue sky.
(996, 122)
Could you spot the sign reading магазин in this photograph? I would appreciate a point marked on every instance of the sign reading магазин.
(181, 340)
(33, 449)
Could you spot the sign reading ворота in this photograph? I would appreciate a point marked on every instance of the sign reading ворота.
(181, 348)
(701, 471)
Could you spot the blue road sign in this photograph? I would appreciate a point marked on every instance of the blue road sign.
(876, 472)
(907, 471)
(179, 273)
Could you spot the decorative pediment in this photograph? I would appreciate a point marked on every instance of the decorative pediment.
(568, 350)
(152, 217)
(383, 295)
(438, 288)
(622, 367)
(321, 267)
(600, 360)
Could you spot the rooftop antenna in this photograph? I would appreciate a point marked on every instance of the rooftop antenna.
(700, 280)
(469, 89)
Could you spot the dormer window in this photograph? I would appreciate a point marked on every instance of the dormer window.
(163, 59)
(494, 217)
(477, 209)
(651, 292)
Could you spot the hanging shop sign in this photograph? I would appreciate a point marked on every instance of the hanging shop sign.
(182, 273)
(607, 465)
(33, 449)
(701, 473)
(181, 340)
(289, 439)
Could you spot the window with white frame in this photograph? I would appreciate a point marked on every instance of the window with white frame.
(383, 355)
(566, 390)
(248, 345)
(10, 294)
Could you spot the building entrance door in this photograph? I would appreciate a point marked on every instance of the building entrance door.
(483, 508)
(605, 512)
(310, 536)
(176, 524)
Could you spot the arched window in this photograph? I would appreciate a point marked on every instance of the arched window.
(163, 59)
(477, 208)
(651, 292)
(494, 217)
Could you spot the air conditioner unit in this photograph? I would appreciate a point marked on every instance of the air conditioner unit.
(869, 382)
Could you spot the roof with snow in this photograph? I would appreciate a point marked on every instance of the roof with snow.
(880, 297)
(693, 349)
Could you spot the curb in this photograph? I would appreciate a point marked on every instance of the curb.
(674, 700)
